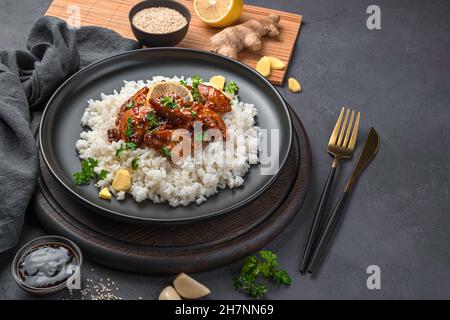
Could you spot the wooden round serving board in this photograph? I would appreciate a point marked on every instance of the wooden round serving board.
(187, 247)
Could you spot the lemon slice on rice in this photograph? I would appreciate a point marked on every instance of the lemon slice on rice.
(218, 13)
(161, 88)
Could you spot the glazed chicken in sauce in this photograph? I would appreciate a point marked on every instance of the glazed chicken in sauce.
(150, 122)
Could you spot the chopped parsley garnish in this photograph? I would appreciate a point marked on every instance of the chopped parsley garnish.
(152, 120)
(134, 163)
(266, 265)
(131, 146)
(102, 175)
(87, 171)
(193, 113)
(130, 105)
(129, 127)
(196, 80)
(167, 151)
(231, 87)
(125, 146)
(184, 83)
(168, 102)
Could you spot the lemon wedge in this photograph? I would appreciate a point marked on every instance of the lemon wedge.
(161, 88)
(218, 13)
(218, 82)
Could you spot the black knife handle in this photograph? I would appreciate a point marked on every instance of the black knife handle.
(318, 220)
(328, 232)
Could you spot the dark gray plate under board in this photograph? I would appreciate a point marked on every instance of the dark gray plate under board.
(60, 127)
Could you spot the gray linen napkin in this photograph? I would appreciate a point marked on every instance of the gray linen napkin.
(27, 79)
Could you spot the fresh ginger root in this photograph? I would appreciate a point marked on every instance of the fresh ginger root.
(232, 40)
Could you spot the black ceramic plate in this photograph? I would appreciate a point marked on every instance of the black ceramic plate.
(60, 126)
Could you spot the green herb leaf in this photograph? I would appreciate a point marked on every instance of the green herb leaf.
(102, 175)
(134, 163)
(152, 120)
(130, 105)
(131, 146)
(231, 87)
(129, 127)
(125, 146)
(119, 150)
(168, 102)
(87, 171)
(167, 151)
(196, 80)
(184, 83)
(266, 266)
(193, 113)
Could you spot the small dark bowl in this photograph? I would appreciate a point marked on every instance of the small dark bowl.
(160, 39)
(46, 240)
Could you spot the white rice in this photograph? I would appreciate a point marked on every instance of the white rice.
(157, 178)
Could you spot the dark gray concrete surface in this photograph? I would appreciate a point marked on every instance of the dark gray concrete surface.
(398, 217)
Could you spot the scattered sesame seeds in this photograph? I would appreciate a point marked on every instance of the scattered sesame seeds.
(101, 290)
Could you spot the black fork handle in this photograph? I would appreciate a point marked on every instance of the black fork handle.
(328, 232)
(318, 220)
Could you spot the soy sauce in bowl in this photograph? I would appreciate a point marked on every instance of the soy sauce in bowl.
(47, 264)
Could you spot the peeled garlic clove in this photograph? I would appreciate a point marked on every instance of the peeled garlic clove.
(189, 288)
(169, 293)
(294, 85)
(263, 66)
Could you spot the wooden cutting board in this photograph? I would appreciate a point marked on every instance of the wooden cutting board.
(113, 14)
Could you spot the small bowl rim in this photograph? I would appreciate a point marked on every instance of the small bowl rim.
(45, 240)
(131, 16)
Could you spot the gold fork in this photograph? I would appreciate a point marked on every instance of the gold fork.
(341, 145)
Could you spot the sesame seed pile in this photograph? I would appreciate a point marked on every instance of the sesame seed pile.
(159, 20)
(101, 289)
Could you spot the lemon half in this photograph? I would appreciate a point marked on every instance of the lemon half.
(161, 88)
(218, 13)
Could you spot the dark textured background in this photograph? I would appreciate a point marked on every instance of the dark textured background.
(398, 217)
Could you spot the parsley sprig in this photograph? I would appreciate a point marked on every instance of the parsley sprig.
(130, 105)
(266, 265)
(102, 175)
(232, 87)
(135, 163)
(167, 151)
(152, 120)
(196, 80)
(125, 146)
(129, 128)
(168, 102)
(87, 172)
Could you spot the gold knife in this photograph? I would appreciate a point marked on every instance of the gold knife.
(369, 151)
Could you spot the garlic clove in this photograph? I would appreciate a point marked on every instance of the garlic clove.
(169, 293)
(189, 288)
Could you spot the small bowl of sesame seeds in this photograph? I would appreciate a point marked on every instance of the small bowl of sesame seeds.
(159, 23)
